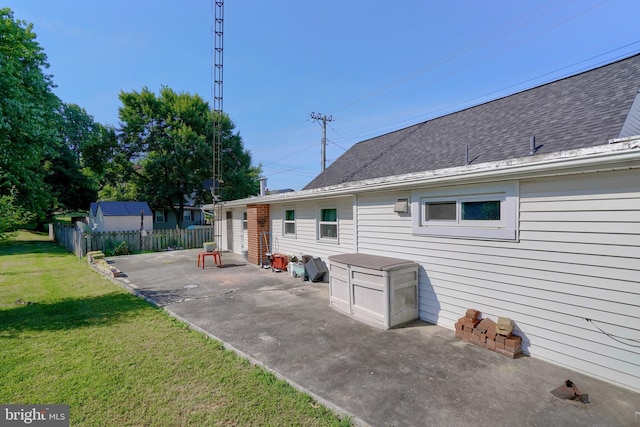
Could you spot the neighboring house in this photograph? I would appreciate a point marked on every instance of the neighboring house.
(120, 216)
(193, 214)
(166, 219)
(546, 232)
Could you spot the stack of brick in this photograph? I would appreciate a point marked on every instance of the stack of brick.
(486, 333)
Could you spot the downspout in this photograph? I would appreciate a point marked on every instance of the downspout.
(354, 201)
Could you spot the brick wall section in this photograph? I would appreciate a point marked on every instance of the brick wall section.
(257, 223)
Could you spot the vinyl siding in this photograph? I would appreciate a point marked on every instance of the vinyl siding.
(577, 258)
(123, 223)
(240, 243)
(305, 241)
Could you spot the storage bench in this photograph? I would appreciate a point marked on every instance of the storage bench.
(380, 291)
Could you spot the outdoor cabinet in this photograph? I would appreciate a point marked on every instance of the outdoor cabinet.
(377, 290)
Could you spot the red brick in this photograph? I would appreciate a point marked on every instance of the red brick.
(459, 325)
(499, 345)
(459, 334)
(470, 323)
(466, 335)
(257, 224)
(513, 349)
(486, 324)
(475, 339)
(508, 354)
(472, 313)
(491, 345)
(491, 331)
(476, 331)
(513, 341)
(501, 339)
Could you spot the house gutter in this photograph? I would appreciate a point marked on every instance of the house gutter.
(623, 153)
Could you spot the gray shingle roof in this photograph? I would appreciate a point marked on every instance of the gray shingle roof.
(583, 110)
(124, 208)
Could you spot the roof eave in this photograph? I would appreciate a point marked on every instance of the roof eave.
(622, 153)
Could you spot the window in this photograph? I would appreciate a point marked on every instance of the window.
(328, 224)
(160, 216)
(486, 210)
(289, 222)
(443, 211)
(187, 215)
(476, 212)
(244, 220)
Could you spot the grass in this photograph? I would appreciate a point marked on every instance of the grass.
(65, 218)
(70, 336)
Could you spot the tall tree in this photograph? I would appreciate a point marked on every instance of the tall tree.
(75, 167)
(168, 139)
(28, 110)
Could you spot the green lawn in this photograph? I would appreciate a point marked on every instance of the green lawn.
(70, 336)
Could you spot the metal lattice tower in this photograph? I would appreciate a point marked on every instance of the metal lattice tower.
(217, 52)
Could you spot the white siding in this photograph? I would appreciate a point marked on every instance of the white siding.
(239, 235)
(578, 258)
(305, 241)
(123, 223)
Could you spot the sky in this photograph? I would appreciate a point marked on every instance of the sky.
(374, 66)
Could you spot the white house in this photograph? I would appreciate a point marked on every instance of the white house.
(525, 207)
(120, 216)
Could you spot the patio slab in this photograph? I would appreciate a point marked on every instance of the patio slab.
(415, 375)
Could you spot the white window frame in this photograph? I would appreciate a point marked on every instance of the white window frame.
(503, 229)
(285, 221)
(245, 222)
(320, 223)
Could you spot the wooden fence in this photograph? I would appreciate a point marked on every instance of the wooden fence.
(80, 243)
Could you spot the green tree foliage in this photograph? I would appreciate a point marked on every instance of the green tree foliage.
(12, 216)
(71, 167)
(168, 139)
(240, 179)
(28, 110)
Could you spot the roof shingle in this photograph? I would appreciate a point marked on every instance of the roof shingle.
(583, 110)
(124, 208)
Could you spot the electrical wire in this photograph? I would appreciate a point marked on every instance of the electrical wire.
(616, 338)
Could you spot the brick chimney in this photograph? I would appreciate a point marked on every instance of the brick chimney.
(258, 223)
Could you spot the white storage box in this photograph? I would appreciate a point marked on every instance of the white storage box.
(377, 290)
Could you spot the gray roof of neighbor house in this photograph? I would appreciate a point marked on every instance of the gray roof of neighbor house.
(579, 111)
(123, 208)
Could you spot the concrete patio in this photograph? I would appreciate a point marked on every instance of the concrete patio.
(411, 376)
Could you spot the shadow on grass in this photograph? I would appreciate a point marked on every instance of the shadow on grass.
(18, 247)
(70, 313)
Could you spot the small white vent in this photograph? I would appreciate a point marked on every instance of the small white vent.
(401, 205)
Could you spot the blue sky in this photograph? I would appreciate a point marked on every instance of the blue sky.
(373, 65)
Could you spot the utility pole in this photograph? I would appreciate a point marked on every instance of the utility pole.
(319, 117)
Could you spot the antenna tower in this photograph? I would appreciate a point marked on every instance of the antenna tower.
(216, 191)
